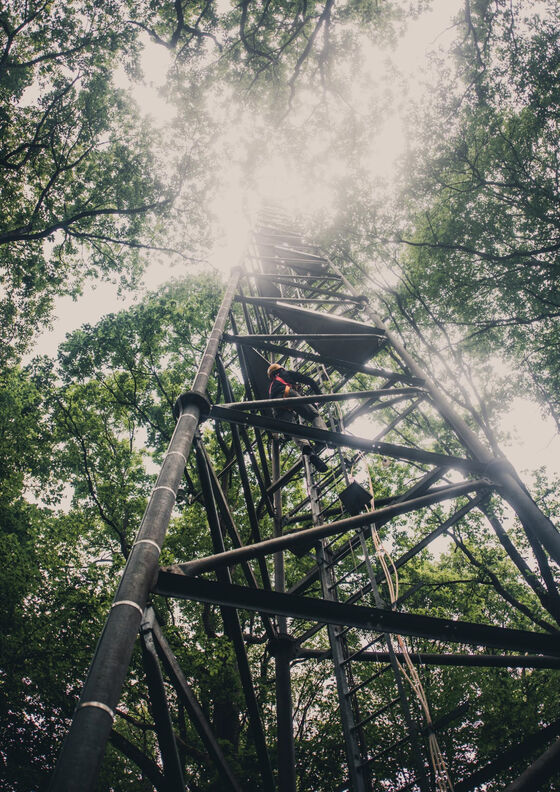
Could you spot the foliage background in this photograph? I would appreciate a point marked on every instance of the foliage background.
(459, 245)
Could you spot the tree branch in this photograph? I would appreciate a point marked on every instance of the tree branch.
(23, 233)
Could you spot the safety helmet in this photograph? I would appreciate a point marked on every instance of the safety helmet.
(272, 369)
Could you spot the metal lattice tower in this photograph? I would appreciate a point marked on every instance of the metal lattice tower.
(290, 304)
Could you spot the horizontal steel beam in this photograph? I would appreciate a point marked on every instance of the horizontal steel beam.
(378, 619)
(288, 280)
(322, 276)
(320, 398)
(291, 300)
(336, 510)
(349, 441)
(303, 538)
(466, 660)
(257, 338)
(304, 258)
(342, 552)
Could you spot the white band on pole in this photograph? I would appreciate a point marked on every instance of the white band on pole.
(129, 602)
(163, 487)
(99, 705)
(177, 453)
(148, 541)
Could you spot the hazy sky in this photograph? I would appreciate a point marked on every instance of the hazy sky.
(276, 179)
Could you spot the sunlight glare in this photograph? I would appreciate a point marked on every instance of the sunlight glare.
(236, 205)
(386, 147)
(280, 183)
(534, 440)
(233, 224)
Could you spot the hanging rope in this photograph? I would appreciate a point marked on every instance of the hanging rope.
(443, 781)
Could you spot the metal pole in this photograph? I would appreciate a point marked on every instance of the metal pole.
(83, 749)
(317, 398)
(306, 432)
(430, 658)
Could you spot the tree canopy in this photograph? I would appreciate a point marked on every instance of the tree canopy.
(459, 248)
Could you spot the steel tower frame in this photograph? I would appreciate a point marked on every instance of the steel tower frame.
(290, 303)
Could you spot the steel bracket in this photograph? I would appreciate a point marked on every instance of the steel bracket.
(192, 397)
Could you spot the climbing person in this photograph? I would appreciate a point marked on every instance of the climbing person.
(283, 385)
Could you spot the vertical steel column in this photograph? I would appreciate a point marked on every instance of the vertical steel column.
(324, 561)
(84, 746)
(232, 624)
(284, 715)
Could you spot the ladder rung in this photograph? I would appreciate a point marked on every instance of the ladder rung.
(350, 572)
(376, 714)
(367, 681)
(362, 649)
(385, 751)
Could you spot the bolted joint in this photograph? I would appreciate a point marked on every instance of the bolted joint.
(282, 646)
(493, 469)
(188, 398)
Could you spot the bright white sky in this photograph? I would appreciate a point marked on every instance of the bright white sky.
(534, 440)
